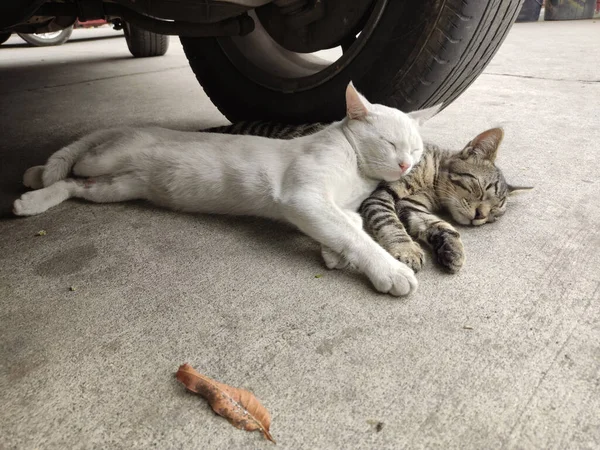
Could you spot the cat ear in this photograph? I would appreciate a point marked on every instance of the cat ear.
(423, 115)
(512, 190)
(484, 146)
(357, 107)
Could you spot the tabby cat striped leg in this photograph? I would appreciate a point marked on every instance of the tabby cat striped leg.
(381, 221)
(427, 227)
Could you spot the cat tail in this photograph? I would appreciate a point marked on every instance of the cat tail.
(59, 165)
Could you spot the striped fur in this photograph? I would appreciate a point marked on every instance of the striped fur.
(268, 129)
(399, 214)
(466, 184)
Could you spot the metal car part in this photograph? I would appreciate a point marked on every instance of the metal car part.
(307, 26)
(68, 12)
(263, 60)
(18, 14)
(301, 26)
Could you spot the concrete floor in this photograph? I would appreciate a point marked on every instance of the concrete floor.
(505, 354)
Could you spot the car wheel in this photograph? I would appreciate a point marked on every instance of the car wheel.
(47, 39)
(142, 43)
(4, 37)
(407, 55)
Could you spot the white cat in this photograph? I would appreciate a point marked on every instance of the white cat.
(316, 182)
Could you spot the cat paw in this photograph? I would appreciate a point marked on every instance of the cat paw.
(396, 278)
(333, 260)
(410, 253)
(449, 251)
(32, 178)
(28, 205)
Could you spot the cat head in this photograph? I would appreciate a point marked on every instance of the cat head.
(387, 141)
(471, 187)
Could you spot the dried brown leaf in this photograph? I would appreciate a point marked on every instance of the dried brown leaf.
(239, 406)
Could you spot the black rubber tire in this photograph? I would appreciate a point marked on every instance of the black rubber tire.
(563, 10)
(36, 41)
(420, 53)
(143, 43)
(4, 37)
(530, 11)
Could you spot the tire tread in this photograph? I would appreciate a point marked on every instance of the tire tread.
(469, 62)
(144, 44)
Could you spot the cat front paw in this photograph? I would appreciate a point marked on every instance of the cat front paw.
(449, 250)
(395, 278)
(410, 253)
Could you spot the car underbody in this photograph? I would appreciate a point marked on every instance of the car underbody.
(257, 59)
(298, 25)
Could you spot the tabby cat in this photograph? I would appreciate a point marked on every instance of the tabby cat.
(465, 184)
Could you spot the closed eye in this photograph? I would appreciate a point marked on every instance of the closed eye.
(461, 184)
(392, 144)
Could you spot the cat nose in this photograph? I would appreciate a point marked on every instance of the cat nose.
(479, 214)
(404, 166)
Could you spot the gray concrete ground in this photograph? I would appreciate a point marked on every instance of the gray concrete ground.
(505, 354)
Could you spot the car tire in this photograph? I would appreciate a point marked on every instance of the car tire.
(143, 43)
(47, 39)
(562, 10)
(418, 55)
(4, 37)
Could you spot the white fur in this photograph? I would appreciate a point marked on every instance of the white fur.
(316, 182)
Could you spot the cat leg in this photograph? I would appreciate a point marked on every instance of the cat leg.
(335, 260)
(382, 222)
(36, 202)
(32, 178)
(329, 225)
(62, 162)
(110, 189)
(439, 234)
(100, 190)
(332, 259)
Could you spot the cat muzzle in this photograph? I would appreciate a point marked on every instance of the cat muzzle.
(477, 222)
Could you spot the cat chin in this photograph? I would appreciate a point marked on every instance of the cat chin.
(393, 175)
